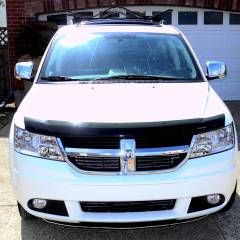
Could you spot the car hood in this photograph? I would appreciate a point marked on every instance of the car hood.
(119, 103)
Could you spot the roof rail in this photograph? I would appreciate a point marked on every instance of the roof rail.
(105, 17)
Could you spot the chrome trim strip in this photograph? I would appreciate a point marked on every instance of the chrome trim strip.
(130, 173)
(62, 149)
(93, 152)
(140, 152)
(164, 151)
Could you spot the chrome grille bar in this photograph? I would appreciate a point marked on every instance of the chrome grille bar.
(109, 154)
(141, 152)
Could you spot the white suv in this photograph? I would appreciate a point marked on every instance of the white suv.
(121, 128)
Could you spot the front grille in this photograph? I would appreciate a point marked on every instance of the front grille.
(117, 207)
(151, 163)
(98, 164)
(112, 164)
(87, 144)
(107, 136)
(113, 142)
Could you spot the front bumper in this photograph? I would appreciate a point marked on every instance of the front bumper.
(39, 178)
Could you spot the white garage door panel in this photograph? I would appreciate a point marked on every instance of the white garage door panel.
(208, 42)
(234, 75)
(215, 46)
(232, 89)
(223, 44)
(227, 89)
(207, 53)
(213, 41)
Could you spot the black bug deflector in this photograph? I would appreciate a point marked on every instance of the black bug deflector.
(65, 128)
(108, 136)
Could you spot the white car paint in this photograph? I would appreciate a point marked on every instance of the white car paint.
(105, 103)
(121, 103)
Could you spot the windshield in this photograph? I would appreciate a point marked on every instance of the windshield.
(94, 56)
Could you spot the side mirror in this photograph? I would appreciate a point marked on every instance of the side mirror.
(216, 70)
(23, 71)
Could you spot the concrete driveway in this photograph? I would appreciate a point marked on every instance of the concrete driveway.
(219, 226)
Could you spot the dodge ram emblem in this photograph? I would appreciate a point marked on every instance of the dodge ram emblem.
(128, 159)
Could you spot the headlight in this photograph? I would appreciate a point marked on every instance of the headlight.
(213, 142)
(36, 145)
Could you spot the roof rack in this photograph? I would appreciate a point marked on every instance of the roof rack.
(105, 17)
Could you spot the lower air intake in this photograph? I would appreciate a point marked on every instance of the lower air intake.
(117, 207)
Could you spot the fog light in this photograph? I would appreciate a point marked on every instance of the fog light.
(39, 203)
(214, 199)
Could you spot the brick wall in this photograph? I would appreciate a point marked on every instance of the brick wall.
(21, 11)
(15, 20)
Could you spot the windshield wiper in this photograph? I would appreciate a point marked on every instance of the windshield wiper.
(117, 77)
(138, 77)
(57, 78)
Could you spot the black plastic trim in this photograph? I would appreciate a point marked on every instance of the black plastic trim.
(130, 225)
(200, 204)
(125, 207)
(65, 128)
(53, 207)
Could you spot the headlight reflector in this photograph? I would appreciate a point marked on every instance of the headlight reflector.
(213, 142)
(36, 145)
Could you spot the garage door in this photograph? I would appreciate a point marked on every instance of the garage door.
(216, 36)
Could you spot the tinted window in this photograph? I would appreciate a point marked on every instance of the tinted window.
(234, 19)
(213, 18)
(60, 19)
(90, 56)
(187, 18)
(166, 16)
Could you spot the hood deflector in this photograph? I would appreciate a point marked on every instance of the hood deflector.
(69, 129)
